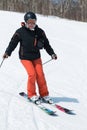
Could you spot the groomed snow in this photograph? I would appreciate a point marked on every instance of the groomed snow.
(66, 77)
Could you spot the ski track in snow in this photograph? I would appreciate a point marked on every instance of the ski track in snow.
(66, 77)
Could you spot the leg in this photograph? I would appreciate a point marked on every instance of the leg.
(31, 88)
(42, 85)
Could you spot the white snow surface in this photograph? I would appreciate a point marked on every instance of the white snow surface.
(66, 77)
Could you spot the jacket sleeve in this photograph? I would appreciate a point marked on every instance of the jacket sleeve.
(47, 45)
(13, 43)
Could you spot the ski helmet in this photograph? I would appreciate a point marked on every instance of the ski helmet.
(29, 15)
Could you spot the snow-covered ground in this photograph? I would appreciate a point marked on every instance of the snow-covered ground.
(66, 77)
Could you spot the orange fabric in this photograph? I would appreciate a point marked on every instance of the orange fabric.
(35, 74)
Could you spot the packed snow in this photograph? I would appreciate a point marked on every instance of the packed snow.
(66, 77)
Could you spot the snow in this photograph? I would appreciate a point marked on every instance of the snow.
(66, 77)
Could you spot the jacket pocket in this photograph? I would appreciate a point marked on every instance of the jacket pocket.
(21, 51)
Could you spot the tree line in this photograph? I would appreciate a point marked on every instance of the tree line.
(71, 9)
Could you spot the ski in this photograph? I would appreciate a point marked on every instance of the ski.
(61, 108)
(41, 106)
(66, 110)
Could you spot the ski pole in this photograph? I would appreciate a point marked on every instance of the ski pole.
(47, 61)
(1, 62)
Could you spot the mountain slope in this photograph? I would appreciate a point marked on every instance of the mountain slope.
(66, 77)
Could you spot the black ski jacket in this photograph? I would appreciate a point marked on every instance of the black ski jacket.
(29, 40)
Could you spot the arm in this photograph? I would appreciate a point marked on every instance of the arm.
(12, 45)
(48, 47)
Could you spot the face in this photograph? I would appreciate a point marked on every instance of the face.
(31, 23)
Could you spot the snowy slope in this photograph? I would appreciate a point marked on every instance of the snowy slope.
(66, 77)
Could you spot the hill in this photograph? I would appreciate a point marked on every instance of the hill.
(66, 77)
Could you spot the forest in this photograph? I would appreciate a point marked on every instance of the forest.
(70, 9)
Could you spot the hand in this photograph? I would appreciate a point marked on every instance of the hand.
(5, 55)
(54, 56)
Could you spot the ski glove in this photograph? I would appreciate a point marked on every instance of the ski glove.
(5, 55)
(54, 56)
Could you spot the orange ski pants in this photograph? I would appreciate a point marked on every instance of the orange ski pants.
(35, 74)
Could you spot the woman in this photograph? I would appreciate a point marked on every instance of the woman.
(32, 39)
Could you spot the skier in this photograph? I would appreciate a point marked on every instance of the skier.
(32, 39)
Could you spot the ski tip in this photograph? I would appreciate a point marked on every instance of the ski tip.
(70, 112)
(53, 114)
(21, 93)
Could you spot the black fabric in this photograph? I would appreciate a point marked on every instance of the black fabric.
(26, 38)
